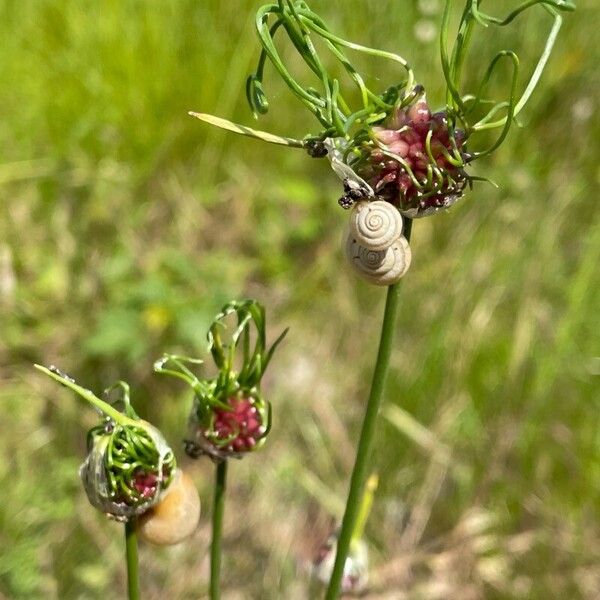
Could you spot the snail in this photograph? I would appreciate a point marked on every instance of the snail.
(375, 225)
(375, 246)
(176, 515)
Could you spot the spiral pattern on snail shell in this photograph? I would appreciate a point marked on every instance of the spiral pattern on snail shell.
(375, 225)
(380, 267)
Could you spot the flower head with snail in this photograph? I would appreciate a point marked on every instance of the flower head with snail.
(130, 472)
(392, 147)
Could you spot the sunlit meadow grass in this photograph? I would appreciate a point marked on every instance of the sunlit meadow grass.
(124, 226)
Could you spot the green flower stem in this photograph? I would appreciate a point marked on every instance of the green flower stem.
(217, 529)
(131, 554)
(363, 454)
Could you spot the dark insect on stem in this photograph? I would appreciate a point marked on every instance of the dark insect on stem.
(353, 193)
(316, 148)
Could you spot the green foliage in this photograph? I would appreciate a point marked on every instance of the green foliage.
(125, 225)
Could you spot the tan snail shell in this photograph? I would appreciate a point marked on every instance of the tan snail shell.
(375, 225)
(380, 267)
(175, 517)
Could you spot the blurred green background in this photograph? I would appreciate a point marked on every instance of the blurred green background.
(125, 224)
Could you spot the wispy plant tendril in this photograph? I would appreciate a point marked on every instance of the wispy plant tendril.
(462, 106)
(330, 103)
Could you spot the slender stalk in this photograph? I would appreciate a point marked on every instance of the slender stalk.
(131, 555)
(363, 453)
(217, 529)
(106, 408)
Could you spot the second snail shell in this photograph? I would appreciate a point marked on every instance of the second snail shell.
(375, 225)
(375, 246)
(175, 517)
(380, 267)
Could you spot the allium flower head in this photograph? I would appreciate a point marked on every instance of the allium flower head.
(414, 160)
(240, 423)
(127, 468)
(238, 426)
(390, 138)
(129, 464)
(230, 417)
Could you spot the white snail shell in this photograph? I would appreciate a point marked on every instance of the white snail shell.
(175, 517)
(380, 267)
(375, 225)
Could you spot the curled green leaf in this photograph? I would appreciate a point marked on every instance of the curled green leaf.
(256, 96)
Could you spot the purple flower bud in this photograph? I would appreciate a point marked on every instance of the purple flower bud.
(229, 432)
(400, 147)
(386, 136)
(397, 120)
(419, 112)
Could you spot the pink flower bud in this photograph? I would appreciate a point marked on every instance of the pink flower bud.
(388, 178)
(419, 112)
(436, 147)
(386, 136)
(404, 183)
(411, 137)
(400, 148)
(416, 150)
(145, 483)
(397, 120)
